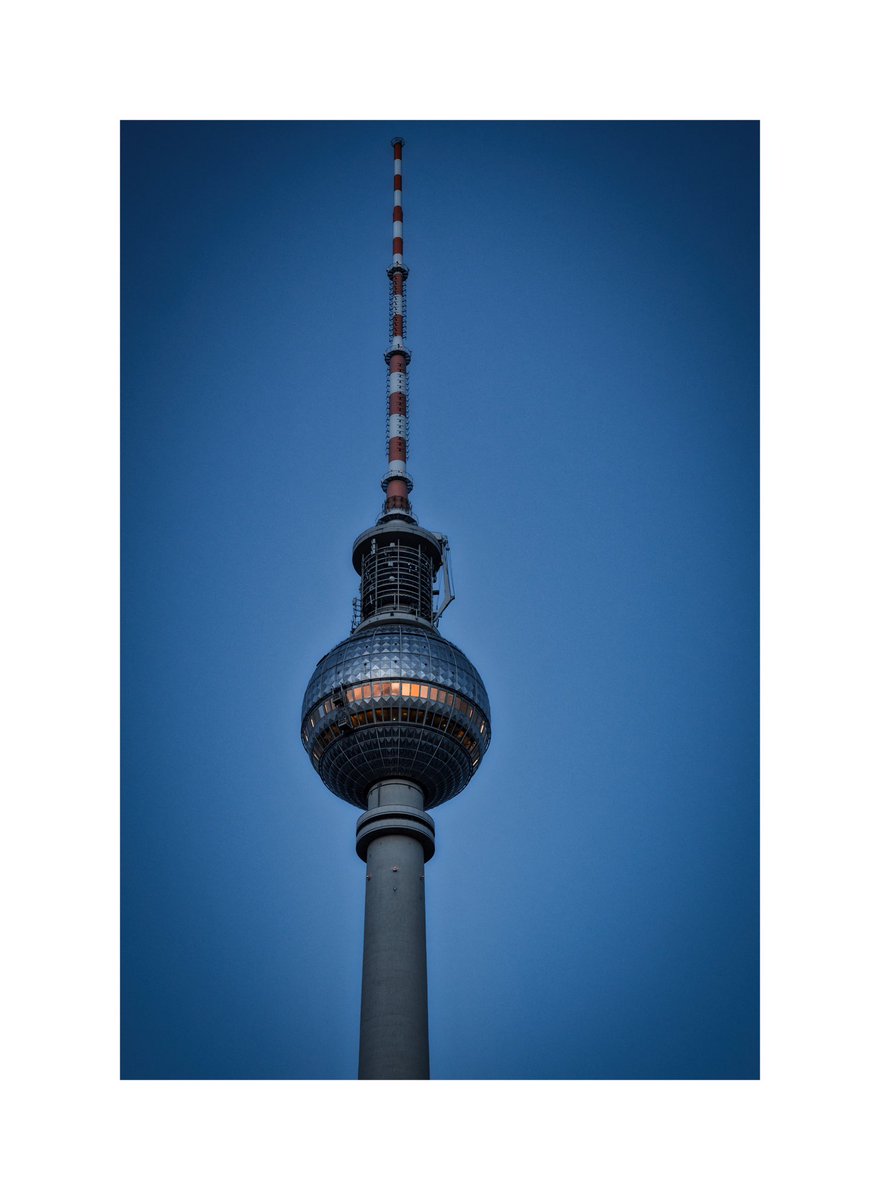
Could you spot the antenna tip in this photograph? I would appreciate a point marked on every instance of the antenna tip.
(398, 141)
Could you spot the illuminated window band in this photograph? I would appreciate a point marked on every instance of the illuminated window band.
(400, 691)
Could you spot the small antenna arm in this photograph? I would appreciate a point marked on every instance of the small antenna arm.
(448, 586)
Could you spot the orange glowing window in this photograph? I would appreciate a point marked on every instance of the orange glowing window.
(395, 687)
(406, 689)
(433, 693)
(357, 693)
(423, 691)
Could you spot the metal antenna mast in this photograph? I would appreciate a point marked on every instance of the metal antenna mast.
(397, 483)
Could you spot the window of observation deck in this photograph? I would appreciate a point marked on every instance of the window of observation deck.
(405, 701)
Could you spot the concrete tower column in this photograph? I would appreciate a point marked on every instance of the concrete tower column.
(395, 837)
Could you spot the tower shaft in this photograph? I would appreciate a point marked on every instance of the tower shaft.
(394, 837)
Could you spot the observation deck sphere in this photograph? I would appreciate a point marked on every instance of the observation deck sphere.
(396, 700)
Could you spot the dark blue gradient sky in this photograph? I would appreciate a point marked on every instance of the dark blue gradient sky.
(583, 316)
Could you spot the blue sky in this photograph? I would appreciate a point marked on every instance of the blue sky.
(583, 317)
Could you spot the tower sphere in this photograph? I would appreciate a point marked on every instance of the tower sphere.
(395, 700)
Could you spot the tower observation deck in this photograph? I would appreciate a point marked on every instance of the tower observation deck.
(396, 720)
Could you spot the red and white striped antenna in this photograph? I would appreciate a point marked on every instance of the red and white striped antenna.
(397, 483)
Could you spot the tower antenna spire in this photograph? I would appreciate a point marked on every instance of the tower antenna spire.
(397, 483)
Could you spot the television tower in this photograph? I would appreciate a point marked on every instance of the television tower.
(395, 720)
